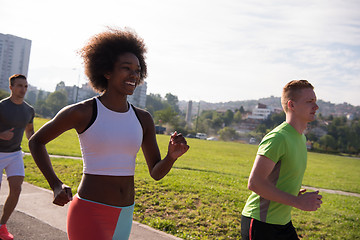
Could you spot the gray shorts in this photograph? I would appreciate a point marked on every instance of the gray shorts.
(13, 164)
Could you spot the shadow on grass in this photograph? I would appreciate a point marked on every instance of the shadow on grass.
(203, 170)
(199, 170)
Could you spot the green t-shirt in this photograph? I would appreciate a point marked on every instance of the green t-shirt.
(287, 148)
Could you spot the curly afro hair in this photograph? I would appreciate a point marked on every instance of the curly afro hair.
(102, 51)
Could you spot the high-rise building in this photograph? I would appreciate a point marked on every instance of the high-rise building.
(14, 57)
(138, 98)
(188, 113)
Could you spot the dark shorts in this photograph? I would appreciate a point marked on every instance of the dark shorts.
(252, 229)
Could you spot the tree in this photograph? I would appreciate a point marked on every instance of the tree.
(56, 101)
(228, 134)
(31, 97)
(242, 110)
(4, 94)
(173, 101)
(166, 115)
(207, 114)
(217, 121)
(311, 137)
(154, 103)
(237, 117)
(354, 140)
(261, 128)
(203, 125)
(42, 109)
(328, 142)
(274, 120)
(228, 117)
(41, 95)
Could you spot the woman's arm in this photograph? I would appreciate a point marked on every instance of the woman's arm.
(177, 147)
(70, 117)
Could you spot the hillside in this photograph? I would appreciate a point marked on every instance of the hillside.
(325, 108)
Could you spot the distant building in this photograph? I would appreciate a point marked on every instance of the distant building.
(76, 94)
(188, 113)
(260, 112)
(31, 94)
(14, 57)
(138, 98)
(247, 125)
(85, 92)
(69, 91)
(350, 116)
(308, 145)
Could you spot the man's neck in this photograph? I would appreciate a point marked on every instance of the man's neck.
(16, 100)
(298, 125)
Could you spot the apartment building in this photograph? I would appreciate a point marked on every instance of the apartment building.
(14, 57)
(138, 98)
(260, 112)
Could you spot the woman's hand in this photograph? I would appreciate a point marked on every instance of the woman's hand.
(62, 195)
(177, 146)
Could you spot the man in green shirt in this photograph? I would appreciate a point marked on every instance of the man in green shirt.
(279, 168)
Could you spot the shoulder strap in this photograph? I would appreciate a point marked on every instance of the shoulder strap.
(93, 115)
(137, 115)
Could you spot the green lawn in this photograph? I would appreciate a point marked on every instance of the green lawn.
(66, 144)
(203, 195)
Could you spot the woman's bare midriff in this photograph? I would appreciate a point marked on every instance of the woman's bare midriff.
(111, 190)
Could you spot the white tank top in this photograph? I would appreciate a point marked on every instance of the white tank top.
(109, 146)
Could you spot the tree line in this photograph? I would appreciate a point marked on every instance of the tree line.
(326, 134)
(342, 135)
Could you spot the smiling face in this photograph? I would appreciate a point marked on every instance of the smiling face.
(125, 76)
(304, 107)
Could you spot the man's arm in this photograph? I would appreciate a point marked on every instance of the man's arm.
(29, 130)
(260, 184)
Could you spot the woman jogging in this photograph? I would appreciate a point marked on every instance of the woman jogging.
(111, 132)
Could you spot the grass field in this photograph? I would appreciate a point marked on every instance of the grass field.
(203, 195)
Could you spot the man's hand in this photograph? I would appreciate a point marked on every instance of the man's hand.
(308, 201)
(7, 135)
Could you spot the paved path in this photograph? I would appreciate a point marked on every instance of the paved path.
(37, 218)
(333, 191)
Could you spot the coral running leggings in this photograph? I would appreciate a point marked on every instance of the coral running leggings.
(91, 220)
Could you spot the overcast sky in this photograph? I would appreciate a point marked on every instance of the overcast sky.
(215, 51)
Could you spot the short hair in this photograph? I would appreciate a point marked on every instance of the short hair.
(14, 77)
(102, 51)
(291, 90)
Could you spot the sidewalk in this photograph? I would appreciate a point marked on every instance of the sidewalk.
(35, 207)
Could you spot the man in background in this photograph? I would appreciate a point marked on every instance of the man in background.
(278, 170)
(16, 116)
